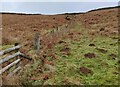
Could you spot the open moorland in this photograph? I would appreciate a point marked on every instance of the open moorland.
(83, 50)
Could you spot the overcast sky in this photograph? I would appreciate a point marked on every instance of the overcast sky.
(53, 7)
(59, 0)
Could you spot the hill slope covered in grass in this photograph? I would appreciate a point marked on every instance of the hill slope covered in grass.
(78, 59)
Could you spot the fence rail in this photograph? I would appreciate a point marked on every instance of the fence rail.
(9, 57)
(9, 50)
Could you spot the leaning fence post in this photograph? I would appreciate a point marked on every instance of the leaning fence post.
(36, 42)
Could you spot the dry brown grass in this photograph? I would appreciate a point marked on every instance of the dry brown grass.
(106, 19)
(23, 27)
(14, 80)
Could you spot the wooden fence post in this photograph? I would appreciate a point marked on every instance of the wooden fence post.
(16, 44)
(53, 32)
(57, 31)
(50, 36)
(66, 27)
(17, 64)
(36, 42)
(53, 36)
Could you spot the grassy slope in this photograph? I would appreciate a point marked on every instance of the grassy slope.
(67, 67)
(103, 66)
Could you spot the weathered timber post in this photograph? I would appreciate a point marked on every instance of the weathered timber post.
(36, 42)
(16, 44)
(52, 32)
(18, 64)
(53, 35)
(66, 27)
(50, 36)
(57, 31)
(62, 31)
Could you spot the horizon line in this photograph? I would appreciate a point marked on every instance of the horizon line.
(26, 13)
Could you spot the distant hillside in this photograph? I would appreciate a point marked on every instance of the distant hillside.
(23, 26)
(104, 20)
(107, 8)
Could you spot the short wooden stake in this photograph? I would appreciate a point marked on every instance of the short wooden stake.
(36, 42)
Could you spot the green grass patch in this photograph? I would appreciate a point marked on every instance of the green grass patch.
(103, 66)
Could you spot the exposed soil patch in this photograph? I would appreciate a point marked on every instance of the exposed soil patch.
(116, 43)
(92, 44)
(68, 18)
(61, 42)
(90, 55)
(52, 55)
(115, 37)
(115, 73)
(46, 76)
(102, 29)
(85, 70)
(49, 62)
(70, 34)
(113, 56)
(111, 44)
(102, 50)
(76, 39)
(65, 51)
(119, 40)
(79, 33)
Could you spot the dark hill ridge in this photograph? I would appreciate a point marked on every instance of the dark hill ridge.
(18, 13)
(106, 8)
